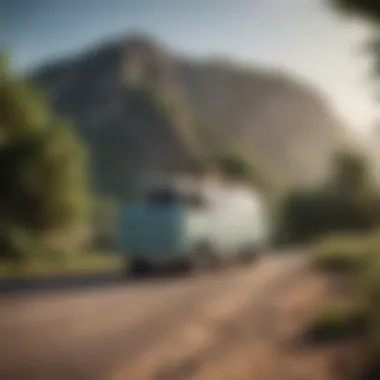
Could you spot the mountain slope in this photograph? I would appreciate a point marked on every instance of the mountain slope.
(141, 108)
(283, 122)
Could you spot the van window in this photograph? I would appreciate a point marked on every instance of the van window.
(166, 196)
(162, 196)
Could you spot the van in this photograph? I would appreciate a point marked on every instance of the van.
(192, 225)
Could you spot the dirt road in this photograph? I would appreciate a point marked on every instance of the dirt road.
(157, 330)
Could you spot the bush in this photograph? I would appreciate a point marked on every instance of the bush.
(348, 202)
(334, 322)
(42, 168)
(238, 166)
(59, 263)
(341, 253)
(360, 256)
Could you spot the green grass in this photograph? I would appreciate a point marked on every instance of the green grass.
(335, 322)
(82, 263)
(344, 253)
(358, 256)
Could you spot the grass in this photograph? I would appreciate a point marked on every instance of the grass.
(81, 263)
(335, 322)
(359, 257)
(344, 253)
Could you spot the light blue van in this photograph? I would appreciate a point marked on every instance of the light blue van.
(185, 225)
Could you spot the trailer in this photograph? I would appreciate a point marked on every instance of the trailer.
(189, 225)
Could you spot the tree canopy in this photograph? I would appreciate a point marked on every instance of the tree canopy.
(42, 163)
(237, 166)
(348, 201)
(368, 9)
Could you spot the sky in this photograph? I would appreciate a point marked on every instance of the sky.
(303, 37)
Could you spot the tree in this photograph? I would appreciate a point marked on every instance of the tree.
(234, 166)
(347, 202)
(367, 9)
(350, 172)
(237, 166)
(42, 165)
(104, 223)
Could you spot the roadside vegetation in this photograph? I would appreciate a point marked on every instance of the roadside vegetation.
(340, 221)
(351, 246)
(341, 253)
(358, 259)
(46, 209)
(347, 202)
(78, 263)
(335, 322)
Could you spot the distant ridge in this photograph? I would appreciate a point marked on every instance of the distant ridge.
(140, 107)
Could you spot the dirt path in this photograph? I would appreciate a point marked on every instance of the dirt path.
(233, 325)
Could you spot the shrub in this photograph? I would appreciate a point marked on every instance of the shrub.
(334, 322)
(42, 168)
(341, 253)
(360, 256)
(348, 202)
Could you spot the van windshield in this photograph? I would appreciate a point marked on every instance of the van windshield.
(162, 196)
(167, 197)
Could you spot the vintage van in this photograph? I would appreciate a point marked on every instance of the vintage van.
(187, 224)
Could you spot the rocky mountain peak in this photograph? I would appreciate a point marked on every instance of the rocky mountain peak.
(141, 108)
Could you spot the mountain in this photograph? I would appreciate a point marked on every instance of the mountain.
(141, 108)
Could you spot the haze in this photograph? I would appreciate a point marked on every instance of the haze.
(301, 36)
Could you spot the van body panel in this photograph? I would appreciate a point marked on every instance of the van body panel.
(151, 232)
(164, 233)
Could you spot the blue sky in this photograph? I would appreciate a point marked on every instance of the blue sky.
(301, 36)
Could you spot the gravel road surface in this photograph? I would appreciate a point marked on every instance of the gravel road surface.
(159, 329)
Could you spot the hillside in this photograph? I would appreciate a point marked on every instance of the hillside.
(140, 107)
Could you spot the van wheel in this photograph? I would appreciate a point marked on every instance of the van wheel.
(206, 259)
(139, 268)
(248, 257)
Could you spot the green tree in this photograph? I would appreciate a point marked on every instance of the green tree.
(237, 166)
(368, 9)
(347, 202)
(350, 172)
(42, 166)
(104, 218)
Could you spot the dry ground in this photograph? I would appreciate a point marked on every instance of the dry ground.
(242, 324)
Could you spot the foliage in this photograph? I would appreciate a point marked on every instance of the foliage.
(344, 253)
(308, 215)
(104, 218)
(53, 265)
(333, 322)
(234, 166)
(237, 166)
(361, 255)
(347, 202)
(350, 172)
(42, 168)
(368, 9)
